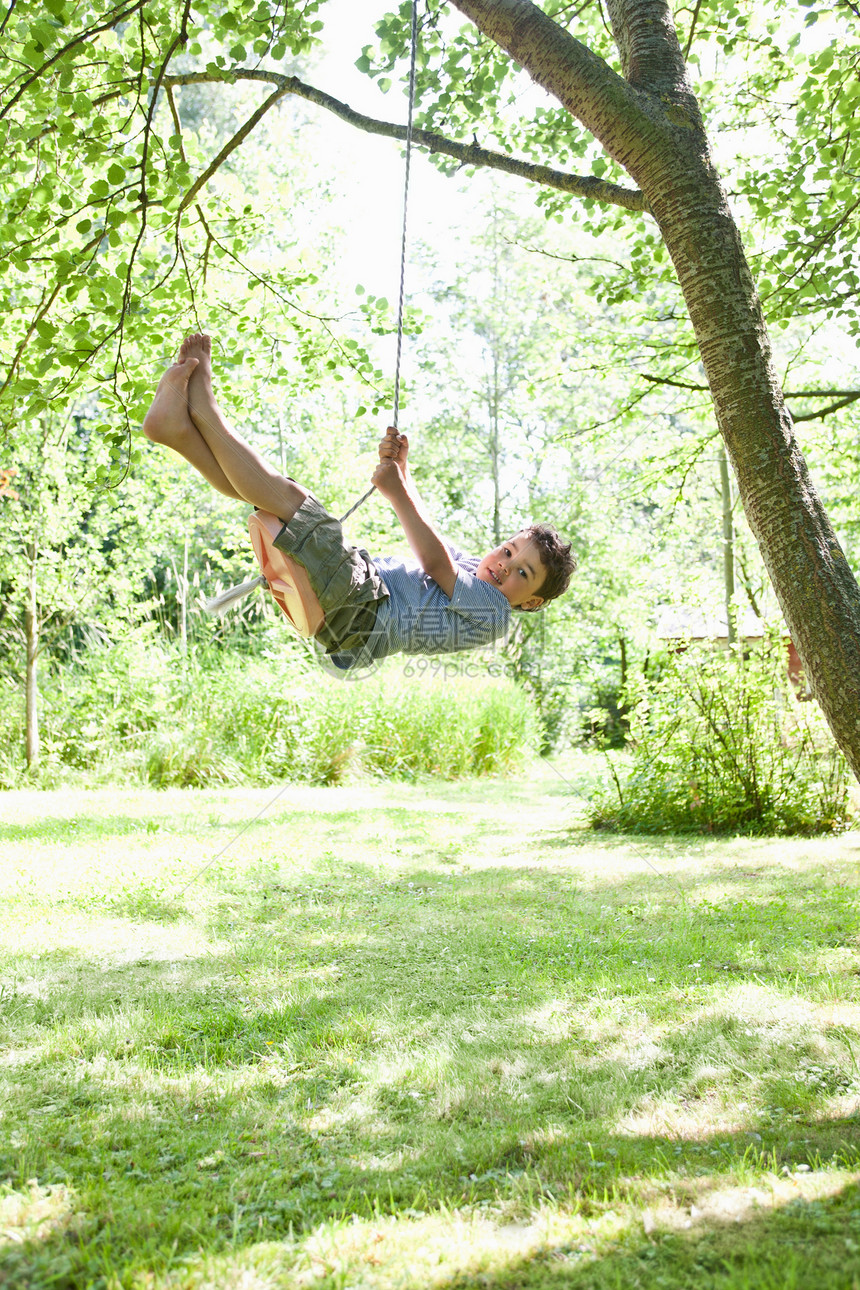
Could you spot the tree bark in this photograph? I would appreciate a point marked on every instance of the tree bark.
(649, 122)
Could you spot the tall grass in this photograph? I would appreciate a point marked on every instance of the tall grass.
(143, 711)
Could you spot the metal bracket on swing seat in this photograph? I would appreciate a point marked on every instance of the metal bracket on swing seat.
(288, 580)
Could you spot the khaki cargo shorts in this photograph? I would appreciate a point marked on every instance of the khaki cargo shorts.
(345, 579)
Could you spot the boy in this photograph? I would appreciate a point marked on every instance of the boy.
(373, 607)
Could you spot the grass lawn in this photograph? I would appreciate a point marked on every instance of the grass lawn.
(421, 1036)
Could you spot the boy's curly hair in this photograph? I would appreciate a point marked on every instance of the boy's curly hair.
(557, 558)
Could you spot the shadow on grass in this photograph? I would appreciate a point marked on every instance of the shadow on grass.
(756, 1250)
(762, 1251)
(123, 1227)
(424, 1045)
(80, 828)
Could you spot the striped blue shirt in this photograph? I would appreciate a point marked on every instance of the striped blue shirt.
(416, 617)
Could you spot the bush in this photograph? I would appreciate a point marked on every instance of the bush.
(141, 710)
(720, 744)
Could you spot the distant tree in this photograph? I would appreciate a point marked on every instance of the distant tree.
(78, 564)
(52, 538)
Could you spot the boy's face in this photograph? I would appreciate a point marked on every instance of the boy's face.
(517, 570)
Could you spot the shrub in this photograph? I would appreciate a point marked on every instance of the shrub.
(142, 710)
(720, 744)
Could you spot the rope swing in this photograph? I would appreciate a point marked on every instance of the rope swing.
(396, 410)
(284, 577)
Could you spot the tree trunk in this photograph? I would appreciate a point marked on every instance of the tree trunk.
(31, 633)
(649, 122)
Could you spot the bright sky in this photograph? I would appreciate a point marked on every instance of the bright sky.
(370, 170)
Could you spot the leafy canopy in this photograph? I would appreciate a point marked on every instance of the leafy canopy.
(119, 228)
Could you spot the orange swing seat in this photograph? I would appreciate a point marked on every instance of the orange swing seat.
(288, 580)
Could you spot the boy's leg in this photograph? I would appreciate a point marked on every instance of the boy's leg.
(168, 422)
(246, 470)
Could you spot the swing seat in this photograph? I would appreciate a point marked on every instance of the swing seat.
(288, 580)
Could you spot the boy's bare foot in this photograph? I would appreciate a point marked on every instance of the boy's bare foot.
(167, 420)
(201, 399)
(249, 475)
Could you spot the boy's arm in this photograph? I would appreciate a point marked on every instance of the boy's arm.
(393, 480)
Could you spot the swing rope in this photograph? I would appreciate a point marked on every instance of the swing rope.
(396, 411)
(220, 604)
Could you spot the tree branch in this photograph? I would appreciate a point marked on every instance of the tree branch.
(679, 385)
(842, 397)
(230, 146)
(7, 16)
(113, 21)
(44, 306)
(570, 259)
(693, 20)
(177, 122)
(850, 396)
(468, 154)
